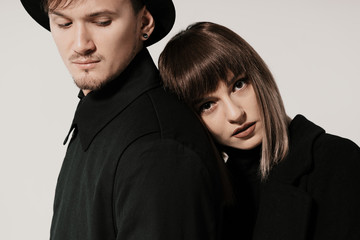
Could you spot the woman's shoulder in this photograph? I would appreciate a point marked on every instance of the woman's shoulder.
(302, 130)
(332, 157)
(331, 152)
(333, 145)
(321, 152)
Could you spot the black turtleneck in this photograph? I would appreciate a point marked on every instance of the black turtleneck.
(243, 166)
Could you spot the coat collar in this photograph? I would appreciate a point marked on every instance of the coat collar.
(302, 134)
(285, 207)
(98, 108)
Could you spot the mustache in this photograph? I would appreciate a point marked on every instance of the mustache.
(90, 57)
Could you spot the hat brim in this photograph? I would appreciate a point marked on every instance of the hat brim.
(163, 11)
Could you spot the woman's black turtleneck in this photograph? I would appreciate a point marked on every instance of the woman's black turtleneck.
(243, 166)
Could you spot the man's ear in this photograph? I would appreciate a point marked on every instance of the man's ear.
(147, 24)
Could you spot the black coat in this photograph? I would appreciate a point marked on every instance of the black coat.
(315, 192)
(138, 166)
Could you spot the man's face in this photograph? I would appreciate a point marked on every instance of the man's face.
(96, 39)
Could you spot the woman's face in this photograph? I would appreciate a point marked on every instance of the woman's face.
(231, 113)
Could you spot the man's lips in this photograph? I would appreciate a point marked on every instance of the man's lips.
(85, 64)
(85, 61)
(245, 130)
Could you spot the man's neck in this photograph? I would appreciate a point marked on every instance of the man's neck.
(85, 91)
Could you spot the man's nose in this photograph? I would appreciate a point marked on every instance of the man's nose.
(83, 44)
(234, 112)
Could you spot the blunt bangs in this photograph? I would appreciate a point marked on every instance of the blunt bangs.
(195, 60)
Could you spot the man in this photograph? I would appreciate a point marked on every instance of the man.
(139, 164)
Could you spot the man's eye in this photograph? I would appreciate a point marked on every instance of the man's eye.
(65, 25)
(103, 23)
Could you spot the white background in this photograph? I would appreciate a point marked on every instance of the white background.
(312, 47)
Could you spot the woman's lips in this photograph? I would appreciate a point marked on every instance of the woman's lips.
(244, 130)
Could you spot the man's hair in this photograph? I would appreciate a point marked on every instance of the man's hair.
(196, 59)
(53, 4)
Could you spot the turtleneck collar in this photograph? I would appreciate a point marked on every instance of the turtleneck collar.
(243, 161)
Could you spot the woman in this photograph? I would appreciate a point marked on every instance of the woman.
(293, 180)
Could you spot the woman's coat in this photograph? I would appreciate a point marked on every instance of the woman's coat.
(315, 192)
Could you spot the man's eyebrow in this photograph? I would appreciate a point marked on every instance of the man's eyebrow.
(101, 13)
(56, 13)
(90, 15)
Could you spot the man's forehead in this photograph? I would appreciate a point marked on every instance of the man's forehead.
(51, 5)
(58, 4)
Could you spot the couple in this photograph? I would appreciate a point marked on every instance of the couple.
(140, 163)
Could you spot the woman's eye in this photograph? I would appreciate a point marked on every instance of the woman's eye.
(205, 107)
(239, 85)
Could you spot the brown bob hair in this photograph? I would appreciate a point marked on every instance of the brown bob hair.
(196, 59)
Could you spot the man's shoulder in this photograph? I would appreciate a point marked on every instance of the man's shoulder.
(173, 130)
(172, 119)
(157, 114)
(168, 112)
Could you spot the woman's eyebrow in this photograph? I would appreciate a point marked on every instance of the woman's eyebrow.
(201, 100)
(197, 101)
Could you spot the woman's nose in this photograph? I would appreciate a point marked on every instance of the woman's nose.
(234, 112)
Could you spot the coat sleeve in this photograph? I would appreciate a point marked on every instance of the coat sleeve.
(335, 186)
(163, 191)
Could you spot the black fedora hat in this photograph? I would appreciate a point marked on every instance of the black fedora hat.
(163, 12)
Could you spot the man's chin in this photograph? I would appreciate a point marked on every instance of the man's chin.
(90, 84)
(91, 80)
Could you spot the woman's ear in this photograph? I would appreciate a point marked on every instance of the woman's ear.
(147, 24)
